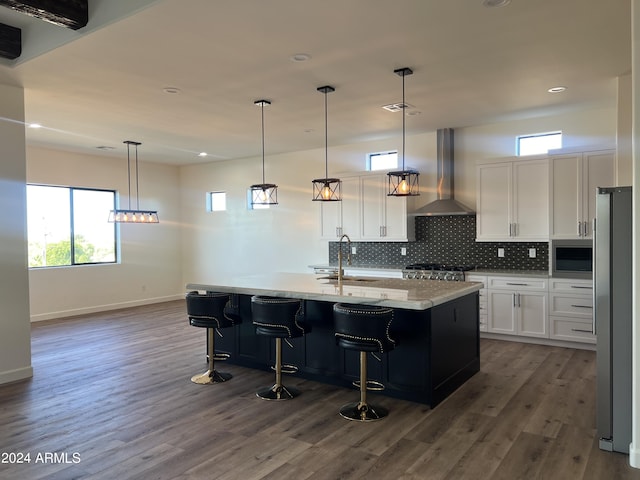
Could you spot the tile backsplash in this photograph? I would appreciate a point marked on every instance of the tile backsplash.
(448, 239)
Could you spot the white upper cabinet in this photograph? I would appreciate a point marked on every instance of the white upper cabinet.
(513, 201)
(574, 179)
(366, 213)
(383, 218)
(338, 218)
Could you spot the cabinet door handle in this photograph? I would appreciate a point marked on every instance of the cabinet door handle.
(513, 299)
(582, 306)
(582, 287)
(511, 229)
(579, 229)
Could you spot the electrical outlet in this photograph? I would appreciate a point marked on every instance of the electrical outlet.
(501, 252)
(353, 250)
(532, 253)
(403, 251)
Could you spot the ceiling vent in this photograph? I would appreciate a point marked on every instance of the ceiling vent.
(397, 107)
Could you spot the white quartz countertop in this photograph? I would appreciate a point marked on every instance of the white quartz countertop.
(391, 292)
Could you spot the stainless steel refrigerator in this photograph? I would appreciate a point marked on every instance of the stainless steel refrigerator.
(612, 316)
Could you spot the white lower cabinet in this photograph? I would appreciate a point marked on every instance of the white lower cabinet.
(518, 306)
(482, 302)
(571, 310)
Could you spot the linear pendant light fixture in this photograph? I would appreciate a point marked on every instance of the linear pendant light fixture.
(263, 193)
(130, 215)
(326, 189)
(403, 183)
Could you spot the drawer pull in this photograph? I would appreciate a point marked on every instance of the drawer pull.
(582, 306)
(518, 284)
(581, 330)
(578, 286)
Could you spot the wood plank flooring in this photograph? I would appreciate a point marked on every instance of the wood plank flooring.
(114, 388)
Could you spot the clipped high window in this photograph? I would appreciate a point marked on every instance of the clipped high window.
(538, 143)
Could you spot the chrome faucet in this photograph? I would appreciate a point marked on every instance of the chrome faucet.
(340, 270)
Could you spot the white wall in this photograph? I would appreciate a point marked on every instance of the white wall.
(15, 333)
(286, 237)
(150, 268)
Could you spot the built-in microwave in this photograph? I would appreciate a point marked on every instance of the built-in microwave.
(572, 258)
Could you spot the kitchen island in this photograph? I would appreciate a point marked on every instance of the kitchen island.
(435, 324)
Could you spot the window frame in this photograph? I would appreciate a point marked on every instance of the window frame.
(71, 226)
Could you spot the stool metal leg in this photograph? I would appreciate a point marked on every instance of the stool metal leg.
(278, 391)
(363, 411)
(211, 375)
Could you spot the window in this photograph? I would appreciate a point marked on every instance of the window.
(68, 226)
(216, 201)
(538, 143)
(382, 161)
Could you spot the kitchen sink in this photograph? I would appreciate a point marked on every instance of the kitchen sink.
(348, 278)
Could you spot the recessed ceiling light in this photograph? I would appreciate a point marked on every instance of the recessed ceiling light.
(171, 90)
(495, 3)
(35, 125)
(202, 154)
(557, 89)
(300, 57)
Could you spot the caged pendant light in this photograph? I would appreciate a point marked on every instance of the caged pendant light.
(403, 183)
(130, 215)
(263, 193)
(326, 189)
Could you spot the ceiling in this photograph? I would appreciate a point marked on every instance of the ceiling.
(472, 65)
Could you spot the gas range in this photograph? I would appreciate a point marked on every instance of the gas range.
(436, 271)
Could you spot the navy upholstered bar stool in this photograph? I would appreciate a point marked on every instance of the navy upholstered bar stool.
(208, 311)
(364, 328)
(278, 318)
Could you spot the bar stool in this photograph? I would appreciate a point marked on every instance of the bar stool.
(364, 328)
(207, 311)
(279, 318)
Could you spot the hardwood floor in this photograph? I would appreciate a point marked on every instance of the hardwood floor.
(114, 389)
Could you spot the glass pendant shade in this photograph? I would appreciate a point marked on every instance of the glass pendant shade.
(326, 189)
(133, 216)
(130, 215)
(403, 183)
(263, 193)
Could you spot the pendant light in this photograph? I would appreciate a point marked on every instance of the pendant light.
(326, 189)
(403, 183)
(130, 215)
(263, 193)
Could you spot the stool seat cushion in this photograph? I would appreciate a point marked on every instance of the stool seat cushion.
(278, 317)
(363, 327)
(207, 310)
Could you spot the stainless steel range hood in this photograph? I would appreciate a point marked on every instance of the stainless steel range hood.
(445, 204)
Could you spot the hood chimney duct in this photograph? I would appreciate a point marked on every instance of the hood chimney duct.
(445, 203)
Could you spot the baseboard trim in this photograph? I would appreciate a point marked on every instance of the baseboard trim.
(634, 456)
(539, 341)
(103, 308)
(11, 376)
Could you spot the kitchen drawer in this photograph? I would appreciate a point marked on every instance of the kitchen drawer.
(483, 319)
(476, 278)
(570, 285)
(517, 283)
(580, 306)
(563, 328)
